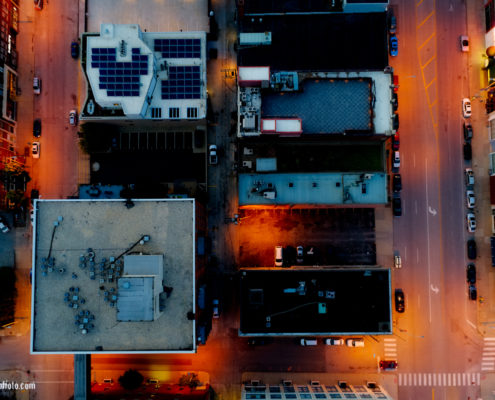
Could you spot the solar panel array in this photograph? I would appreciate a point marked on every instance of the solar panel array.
(119, 78)
(183, 83)
(178, 48)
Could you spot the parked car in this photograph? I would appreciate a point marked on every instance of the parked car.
(492, 248)
(300, 254)
(468, 131)
(334, 342)
(388, 365)
(395, 142)
(471, 273)
(308, 342)
(392, 26)
(471, 222)
(397, 183)
(396, 206)
(393, 45)
(466, 108)
(473, 293)
(471, 249)
(216, 308)
(73, 117)
(31, 216)
(279, 256)
(397, 261)
(38, 4)
(400, 305)
(36, 150)
(36, 85)
(355, 342)
(74, 50)
(395, 122)
(464, 41)
(395, 161)
(35, 194)
(468, 152)
(395, 102)
(469, 175)
(259, 341)
(37, 127)
(470, 199)
(212, 154)
(3, 226)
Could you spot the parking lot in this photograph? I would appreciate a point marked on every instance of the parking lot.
(332, 236)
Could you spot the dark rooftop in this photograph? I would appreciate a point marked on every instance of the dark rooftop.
(325, 106)
(335, 301)
(327, 42)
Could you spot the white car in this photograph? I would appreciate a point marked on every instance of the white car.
(334, 342)
(396, 160)
(355, 342)
(4, 228)
(212, 156)
(471, 222)
(466, 107)
(397, 262)
(73, 117)
(469, 176)
(471, 200)
(36, 85)
(464, 40)
(36, 150)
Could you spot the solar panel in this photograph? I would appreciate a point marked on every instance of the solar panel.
(184, 83)
(119, 78)
(178, 48)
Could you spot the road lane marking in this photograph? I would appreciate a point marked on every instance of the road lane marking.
(416, 206)
(470, 323)
(428, 240)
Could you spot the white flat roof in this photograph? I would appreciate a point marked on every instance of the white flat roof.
(254, 74)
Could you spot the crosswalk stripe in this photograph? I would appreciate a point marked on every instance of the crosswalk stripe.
(434, 379)
(393, 340)
(488, 358)
(429, 379)
(489, 353)
(487, 368)
(487, 339)
(449, 380)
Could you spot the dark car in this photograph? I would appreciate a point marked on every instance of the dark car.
(37, 127)
(471, 273)
(468, 153)
(261, 341)
(468, 131)
(392, 26)
(473, 293)
(74, 50)
(492, 245)
(395, 101)
(397, 183)
(388, 364)
(397, 206)
(400, 305)
(395, 142)
(471, 249)
(395, 124)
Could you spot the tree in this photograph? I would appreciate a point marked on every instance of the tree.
(189, 379)
(131, 379)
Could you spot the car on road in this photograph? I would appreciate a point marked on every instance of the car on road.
(395, 122)
(397, 183)
(471, 273)
(36, 85)
(396, 207)
(355, 342)
(466, 107)
(468, 131)
(471, 222)
(334, 342)
(473, 293)
(308, 342)
(395, 161)
(279, 256)
(73, 117)
(400, 305)
(74, 50)
(3, 226)
(397, 261)
(392, 26)
(216, 308)
(259, 341)
(395, 102)
(38, 4)
(395, 142)
(388, 365)
(469, 175)
(471, 249)
(470, 199)
(300, 254)
(35, 150)
(31, 216)
(464, 42)
(393, 45)
(212, 154)
(37, 127)
(467, 151)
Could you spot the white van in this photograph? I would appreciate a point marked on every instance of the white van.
(309, 342)
(355, 342)
(279, 256)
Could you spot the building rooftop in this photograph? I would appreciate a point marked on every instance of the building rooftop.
(145, 75)
(263, 7)
(315, 302)
(323, 188)
(322, 42)
(106, 263)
